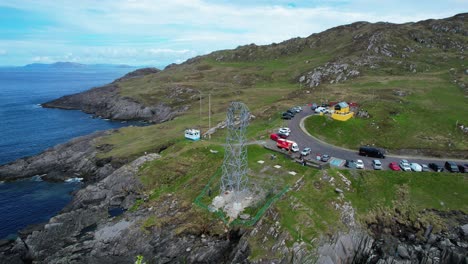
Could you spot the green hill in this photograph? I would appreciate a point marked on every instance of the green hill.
(411, 78)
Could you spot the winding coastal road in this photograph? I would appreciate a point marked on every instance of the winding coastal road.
(304, 139)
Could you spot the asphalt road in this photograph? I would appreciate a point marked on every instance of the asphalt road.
(303, 139)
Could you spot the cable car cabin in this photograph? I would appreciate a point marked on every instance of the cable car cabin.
(192, 134)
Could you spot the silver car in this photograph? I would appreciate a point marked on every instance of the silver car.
(404, 165)
(377, 165)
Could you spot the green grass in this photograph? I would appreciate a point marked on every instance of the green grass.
(442, 191)
(424, 119)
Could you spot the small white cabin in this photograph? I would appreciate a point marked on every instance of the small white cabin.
(192, 134)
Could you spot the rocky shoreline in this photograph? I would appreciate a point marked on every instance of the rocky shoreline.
(75, 158)
(106, 102)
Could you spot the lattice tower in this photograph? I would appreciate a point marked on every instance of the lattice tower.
(235, 165)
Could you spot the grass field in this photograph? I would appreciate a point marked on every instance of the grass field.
(425, 118)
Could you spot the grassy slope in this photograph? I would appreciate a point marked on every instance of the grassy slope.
(267, 84)
(306, 212)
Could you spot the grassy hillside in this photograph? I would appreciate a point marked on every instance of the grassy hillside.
(421, 60)
(425, 61)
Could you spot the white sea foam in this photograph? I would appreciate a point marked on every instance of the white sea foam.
(74, 180)
(37, 178)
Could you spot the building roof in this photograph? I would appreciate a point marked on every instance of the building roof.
(343, 104)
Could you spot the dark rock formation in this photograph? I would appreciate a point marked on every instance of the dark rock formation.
(106, 102)
(75, 158)
(85, 233)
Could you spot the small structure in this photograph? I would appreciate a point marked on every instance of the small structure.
(342, 112)
(192, 134)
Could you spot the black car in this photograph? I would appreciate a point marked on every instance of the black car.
(372, 152)
(287, 115)
(463, 168)
(314, 105)
(436, 167)
(291, 112)
(451, 166)
(350, 164)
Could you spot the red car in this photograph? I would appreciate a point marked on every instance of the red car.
(394, 166)
(274, 137)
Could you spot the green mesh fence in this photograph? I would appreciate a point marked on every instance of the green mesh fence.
(237, 222)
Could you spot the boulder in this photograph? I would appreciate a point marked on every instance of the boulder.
(464, 230)
(403, 252)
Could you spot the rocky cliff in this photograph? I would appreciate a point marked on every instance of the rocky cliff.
(88, 231)
(75, 158)
(106, 102)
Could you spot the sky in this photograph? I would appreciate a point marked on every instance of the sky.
(155, 33)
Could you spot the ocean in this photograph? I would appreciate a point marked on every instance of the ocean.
(27, 129)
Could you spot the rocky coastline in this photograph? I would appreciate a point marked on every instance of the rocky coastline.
(75, 158)
(106, 102)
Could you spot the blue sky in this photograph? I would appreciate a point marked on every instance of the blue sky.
(150, 32)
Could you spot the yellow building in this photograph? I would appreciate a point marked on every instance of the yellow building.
(342, 112)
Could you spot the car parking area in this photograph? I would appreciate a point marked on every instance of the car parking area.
(339, 157)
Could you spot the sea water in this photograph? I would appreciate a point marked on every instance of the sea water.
(27, 129)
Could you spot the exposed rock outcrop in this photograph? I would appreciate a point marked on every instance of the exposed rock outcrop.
(75, 158)
(332, 72)
(86, 233)
(108, 103)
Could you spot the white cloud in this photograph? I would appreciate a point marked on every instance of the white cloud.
(168, 51)
(148, 30)
(42, 59)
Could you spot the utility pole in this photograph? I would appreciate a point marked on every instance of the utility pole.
(209, 114)
(200, 110)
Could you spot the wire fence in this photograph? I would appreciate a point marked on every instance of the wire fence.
(213, 183)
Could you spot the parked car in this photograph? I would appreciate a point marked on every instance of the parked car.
(451, 166)
(359, 164)
(284, 134)
(284, 130)
(424, 167)
(436, 167)
(305, 151)
(371, 152)
(286, 115)
(297, 109)
(325, 157)
(463, 168)
(376, 164)
(415, 167)
(350, 164)
(313, 106)
(394, 166)
(404, 165)
(274, 137)
(320, 109)
(291, 112)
